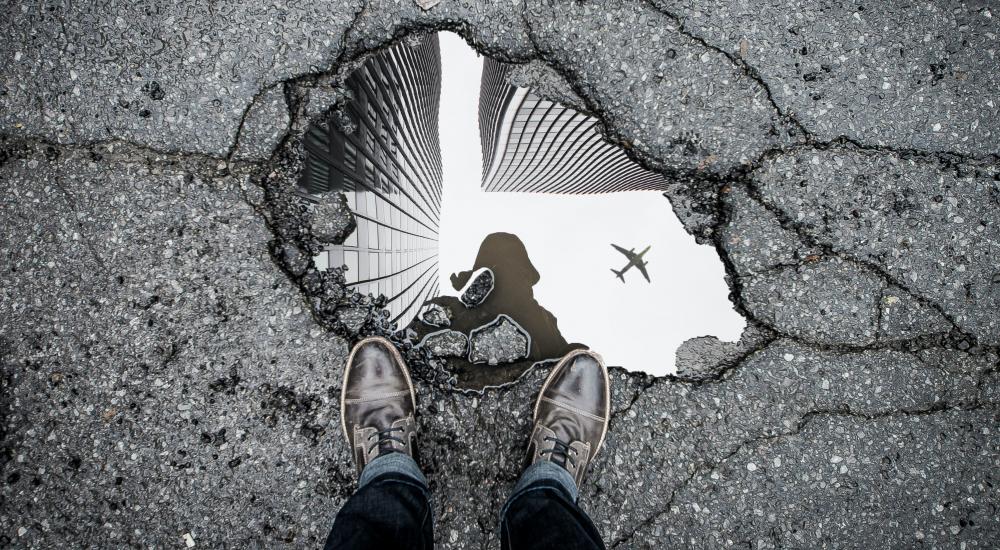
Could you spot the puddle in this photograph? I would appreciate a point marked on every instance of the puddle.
(389, 168)
(426, 229)
(568, 237)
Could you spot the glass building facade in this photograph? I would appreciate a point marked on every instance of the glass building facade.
(534, 145)
(389, 168)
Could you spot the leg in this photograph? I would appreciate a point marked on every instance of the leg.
(391, 507)
(570, 423)
(542, 513)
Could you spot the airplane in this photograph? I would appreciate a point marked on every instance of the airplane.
(633, 260)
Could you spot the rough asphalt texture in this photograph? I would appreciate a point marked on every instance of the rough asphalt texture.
(446, 343)
(478, 289)
(500, 341)
(163, 374)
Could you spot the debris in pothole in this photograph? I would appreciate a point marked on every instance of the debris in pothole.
(332, 219)
(501, 341)
(705, 357)
(291, 257)
(514, 276)
(436, 316)
(353, 318)
(446, 343)
(480, 287)
(427, 4)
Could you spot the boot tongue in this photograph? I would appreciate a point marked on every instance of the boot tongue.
(559, 459)
(385, 447)
(560, 450)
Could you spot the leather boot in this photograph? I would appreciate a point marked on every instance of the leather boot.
(571, 414)
(377, 402)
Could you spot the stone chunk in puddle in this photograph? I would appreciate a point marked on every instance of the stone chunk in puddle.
(353, 318)
(501, 341)
(479, 288)
(332, 219)
(446, 343)
(436, 316)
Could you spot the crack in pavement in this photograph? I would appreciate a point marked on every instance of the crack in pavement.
(748, 70)
(251, 175)
(203, 164)
(786, 222)
(71, 202)
(264, 90)
(709, 466)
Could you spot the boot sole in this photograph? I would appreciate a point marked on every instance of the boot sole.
(607, 389)
(350, 359)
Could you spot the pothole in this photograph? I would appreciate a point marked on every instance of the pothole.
(429, 219)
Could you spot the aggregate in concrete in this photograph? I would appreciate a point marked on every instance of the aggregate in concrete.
(171, 77)
(446, 343)
(928, 225)
(895, 74)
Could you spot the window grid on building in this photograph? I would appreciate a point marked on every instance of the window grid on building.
(531, 144)
(390, 171)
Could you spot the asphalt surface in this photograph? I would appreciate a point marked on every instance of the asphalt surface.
(171, 364)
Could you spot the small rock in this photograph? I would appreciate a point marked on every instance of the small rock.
(426, 5)
(353, 318)
(344, 122)
(332, 219)
(446, 343)
(436, 316)
(293, 259)
(502, 341)
(479, 288)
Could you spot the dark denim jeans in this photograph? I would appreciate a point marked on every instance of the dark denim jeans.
(391, 510)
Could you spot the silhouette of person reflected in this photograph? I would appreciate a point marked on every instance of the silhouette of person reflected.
(506, 256)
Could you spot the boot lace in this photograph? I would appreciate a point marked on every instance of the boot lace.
(561, 452)
(384, 441)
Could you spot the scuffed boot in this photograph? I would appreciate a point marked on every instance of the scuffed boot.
(377, 403)
(572, 413)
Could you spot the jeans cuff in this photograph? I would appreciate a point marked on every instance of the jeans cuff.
(392, 463)
(548, 471)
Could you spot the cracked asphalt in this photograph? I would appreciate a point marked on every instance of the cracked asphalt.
(171, 368)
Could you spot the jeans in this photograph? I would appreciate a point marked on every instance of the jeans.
(391, 510)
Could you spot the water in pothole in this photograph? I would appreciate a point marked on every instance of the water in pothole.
(636, 324)
(428, 234)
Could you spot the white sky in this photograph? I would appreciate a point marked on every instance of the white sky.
(569, 238)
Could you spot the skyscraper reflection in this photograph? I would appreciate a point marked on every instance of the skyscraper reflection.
(389, 168)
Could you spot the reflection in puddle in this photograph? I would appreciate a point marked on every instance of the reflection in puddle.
(406, 151)
(637, 325)
(382, 152)
(533, 145)
(514, 276)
